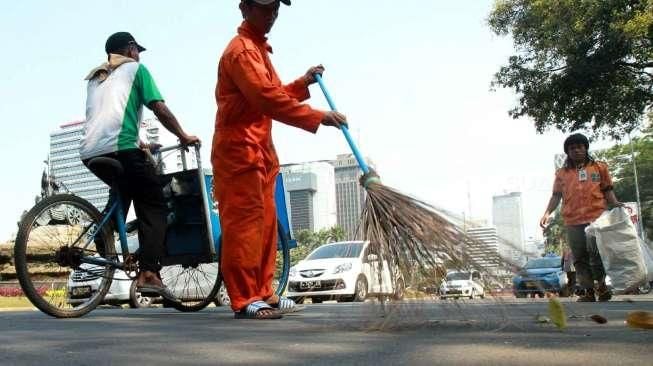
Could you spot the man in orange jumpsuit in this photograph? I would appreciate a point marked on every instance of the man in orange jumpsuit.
(249, 94)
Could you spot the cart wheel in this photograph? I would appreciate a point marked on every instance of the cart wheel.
(283, 268)
(195, 284)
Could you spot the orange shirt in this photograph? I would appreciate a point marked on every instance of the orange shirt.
(583, 197)
(249, 94)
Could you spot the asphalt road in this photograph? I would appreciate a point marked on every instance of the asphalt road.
(482, 332)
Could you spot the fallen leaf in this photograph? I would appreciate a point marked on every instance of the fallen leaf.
(557, 313)
(640, 319)
(542, 319)
(599, 319)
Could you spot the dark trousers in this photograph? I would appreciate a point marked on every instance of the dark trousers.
(140, 184)
(589, 267)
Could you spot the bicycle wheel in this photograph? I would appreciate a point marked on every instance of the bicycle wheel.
(195, 284)
(52, 239)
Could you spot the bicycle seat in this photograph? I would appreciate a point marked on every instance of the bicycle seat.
(107, 169)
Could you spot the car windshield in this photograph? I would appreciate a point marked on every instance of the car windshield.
(543, 263)
(347, 250)
(455, 276)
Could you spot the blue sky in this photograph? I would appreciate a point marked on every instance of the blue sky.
(412, 76)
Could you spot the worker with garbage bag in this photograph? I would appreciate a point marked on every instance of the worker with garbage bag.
(585, 188)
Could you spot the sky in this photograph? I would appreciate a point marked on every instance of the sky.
(412, 76)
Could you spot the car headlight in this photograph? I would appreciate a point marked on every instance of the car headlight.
(292, 272)
(342, 268)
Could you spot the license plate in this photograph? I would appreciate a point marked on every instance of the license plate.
(310, 284)
(531, 284)
(80, 292)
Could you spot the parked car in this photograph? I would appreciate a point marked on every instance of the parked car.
(541, 275)
(83, 282)
(344, 271)
(462, 284)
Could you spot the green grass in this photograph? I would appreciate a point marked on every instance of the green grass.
(14, 302)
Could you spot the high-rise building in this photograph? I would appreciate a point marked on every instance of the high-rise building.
(350, 196)
(508, 218)
(66, 169)
(485, 248)
(310, 195)
(68, 172)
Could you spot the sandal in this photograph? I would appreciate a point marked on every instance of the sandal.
(254, 311)
(286, 305)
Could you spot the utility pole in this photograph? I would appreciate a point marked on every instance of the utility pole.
(640, 224)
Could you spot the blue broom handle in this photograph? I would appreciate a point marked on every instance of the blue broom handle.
(361, 162)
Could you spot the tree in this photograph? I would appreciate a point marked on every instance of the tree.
(308, 240)
(555, 234)
(619, 161)
(580, 64)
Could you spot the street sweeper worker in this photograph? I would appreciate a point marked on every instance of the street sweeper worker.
(249, 95)
(585, 187)
(117, 91)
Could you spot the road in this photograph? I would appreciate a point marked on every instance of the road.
(480, 332)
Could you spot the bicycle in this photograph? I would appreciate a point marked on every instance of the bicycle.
(66, 253)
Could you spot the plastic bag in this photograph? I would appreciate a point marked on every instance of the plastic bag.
(622, 251)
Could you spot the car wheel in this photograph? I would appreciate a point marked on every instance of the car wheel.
(222, 299)
(399, 290)
(138, 301)
(520, 295)
(360, 293)
(645, 288)
(564, 292)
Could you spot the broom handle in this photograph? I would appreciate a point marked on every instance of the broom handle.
(361, 162)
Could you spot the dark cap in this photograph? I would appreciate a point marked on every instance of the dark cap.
(577, 138)
(268, 2)
(120, 40)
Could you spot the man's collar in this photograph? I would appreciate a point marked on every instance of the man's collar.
(248, 31)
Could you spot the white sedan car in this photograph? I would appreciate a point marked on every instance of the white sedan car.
(462, 284)
(346, 271)
(82, 283)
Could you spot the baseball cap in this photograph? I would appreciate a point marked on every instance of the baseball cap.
(268, 2)
(120, 40)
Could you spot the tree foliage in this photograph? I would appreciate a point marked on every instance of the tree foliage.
(308, 240)
(621, 167)
(555, 235)
(580, 64)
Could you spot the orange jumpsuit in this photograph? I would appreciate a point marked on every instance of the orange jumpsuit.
(249, 94)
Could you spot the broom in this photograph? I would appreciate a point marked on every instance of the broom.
(406, 231)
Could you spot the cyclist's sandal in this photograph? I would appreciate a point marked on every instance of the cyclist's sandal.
(286, 305)
(162, 291)
(255, 311)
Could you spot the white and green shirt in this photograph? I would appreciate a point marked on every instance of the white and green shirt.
(114, 105)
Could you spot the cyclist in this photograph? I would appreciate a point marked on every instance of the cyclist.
(116, 93)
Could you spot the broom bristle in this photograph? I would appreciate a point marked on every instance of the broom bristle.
(414, 236)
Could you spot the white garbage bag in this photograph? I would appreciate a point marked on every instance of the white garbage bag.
(622, 251)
